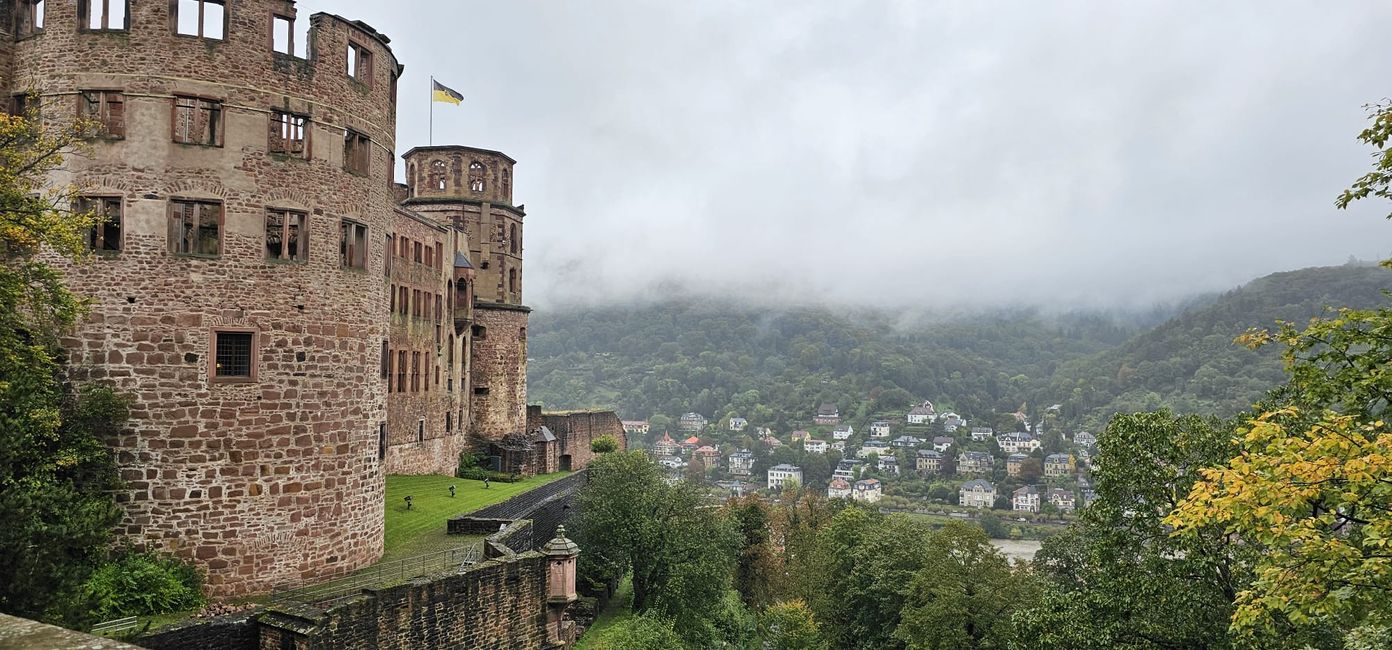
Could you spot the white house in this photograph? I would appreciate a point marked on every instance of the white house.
(841, 433)
(868, 490)
(981, 434)
(815, 446)
(838, 488)
(922, 414)
(780, 474)
(741, 462)
(977, 494)
(635, 426)
(879, 429)
(942, 443)
(1015, 442)
(839, 446)
(1061, 499)
(1026, 499)
(691, 423)
(1084, 439)
(738, 424)
(873, 447)
(951, 422)
(671, 462)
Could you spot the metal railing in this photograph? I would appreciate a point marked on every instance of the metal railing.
(383, 574)
(111, 627)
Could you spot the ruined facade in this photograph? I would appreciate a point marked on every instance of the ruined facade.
(291, 323)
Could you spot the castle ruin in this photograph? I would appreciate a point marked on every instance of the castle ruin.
(291, 322)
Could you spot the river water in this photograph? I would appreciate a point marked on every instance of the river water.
(1021, 549)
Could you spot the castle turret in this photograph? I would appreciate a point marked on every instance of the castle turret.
(472, 189)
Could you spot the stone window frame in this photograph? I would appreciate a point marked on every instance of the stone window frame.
(278, 141)
(358, 62)
(217, 126)
(254, 366)
(111, 121)
(28, 20)
(222, 225)
(97, 234)
(357, 152)
(226, 19)
(400, 371)
(284, 258)
(290, 36)
(84, 16)
(350, 258)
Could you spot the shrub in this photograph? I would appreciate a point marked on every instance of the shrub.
(141, 584)
(479, 473)
(604, 444)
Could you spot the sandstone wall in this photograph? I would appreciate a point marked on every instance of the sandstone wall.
(499, 371)
(276, 479)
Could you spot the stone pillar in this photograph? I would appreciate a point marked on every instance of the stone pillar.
(561, 555)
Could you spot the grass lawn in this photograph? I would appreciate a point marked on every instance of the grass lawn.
(619, 609)
(422, 528)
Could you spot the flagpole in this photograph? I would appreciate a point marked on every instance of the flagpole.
(431, 141)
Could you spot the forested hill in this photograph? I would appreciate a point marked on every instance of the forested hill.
(773, 366)
(1190, 362)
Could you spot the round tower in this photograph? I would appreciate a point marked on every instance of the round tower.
(238, 288)
(472, 188)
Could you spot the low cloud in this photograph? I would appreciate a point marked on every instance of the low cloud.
(954, 154)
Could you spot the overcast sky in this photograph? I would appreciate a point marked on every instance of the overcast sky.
(964, 153)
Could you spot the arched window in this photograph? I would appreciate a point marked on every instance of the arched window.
(476, 173)
(438, 171)
(513, 242)
(507, 184)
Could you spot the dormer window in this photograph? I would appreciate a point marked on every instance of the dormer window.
(202, 18)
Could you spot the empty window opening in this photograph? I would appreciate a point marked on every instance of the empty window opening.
(404, 305)
(476, 172)
(449, 422)
(301, 37)
(429, 363)
(507, 184)
(353, 246)
(438, 172)
(288, 133)
(198, 121)
(513, 242)
(359, 63)
(105, 235)
(416, 303)
(282, 35)
(401, 371)
(232, 355)
(429, 258)
(202, 18)
(480, 333)
(420, 430)
(357, 152)
(512, 280)
(386, 362)
(104, 15)
(106, 110)
(381, 441)
(29, 17)
(480, 390)
(419, 254)
(285, 235)
(195, 227)
(415, 372)
(388, 253)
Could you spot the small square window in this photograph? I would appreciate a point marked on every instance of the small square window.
(201, 18)
(198, 121)
(288, 134)
(106, 109)
(195, 227)
(233, 355)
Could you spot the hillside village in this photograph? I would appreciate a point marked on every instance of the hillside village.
(920, 459)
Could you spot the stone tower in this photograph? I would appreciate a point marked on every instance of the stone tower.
(239, 288)
(472, 189)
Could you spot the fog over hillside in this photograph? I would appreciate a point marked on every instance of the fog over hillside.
(1071, 154)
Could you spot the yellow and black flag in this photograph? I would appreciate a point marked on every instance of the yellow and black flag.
(441, 93)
